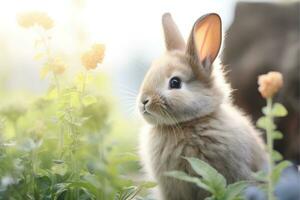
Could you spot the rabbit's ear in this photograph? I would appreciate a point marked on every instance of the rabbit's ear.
(173, 37)
(204, 42)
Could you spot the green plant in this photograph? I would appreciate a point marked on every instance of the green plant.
(132, 192)
(269, 85)
(63, 143)
(211, 181)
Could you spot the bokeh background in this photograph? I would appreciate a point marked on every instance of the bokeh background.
(130, 30)
(259, 36)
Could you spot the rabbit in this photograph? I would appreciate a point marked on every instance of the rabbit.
(185, 102)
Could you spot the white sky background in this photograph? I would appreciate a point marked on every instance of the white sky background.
(130, 29)
(125, 26)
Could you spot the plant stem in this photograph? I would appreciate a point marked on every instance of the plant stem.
(57, 84)
(45, 41)
(74, 146)
(33, 170)
(270, 148)
(61, 140)
(84, 82)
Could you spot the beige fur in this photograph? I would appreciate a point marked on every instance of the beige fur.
(197, 120)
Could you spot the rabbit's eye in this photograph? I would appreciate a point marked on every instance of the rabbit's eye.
(175, 83)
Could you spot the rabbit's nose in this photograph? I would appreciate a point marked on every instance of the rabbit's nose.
(145, 101)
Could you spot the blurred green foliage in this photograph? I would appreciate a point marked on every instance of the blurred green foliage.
(66, 144)
(70, 142)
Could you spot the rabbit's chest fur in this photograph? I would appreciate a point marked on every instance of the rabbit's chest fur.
(226, 141)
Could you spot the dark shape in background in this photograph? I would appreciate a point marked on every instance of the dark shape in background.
(265, 37)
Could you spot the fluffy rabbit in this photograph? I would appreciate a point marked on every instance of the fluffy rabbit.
(185, 102)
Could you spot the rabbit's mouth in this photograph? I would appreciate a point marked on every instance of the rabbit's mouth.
(155, 109)
(145, 112)
(157, 116)
(150, 110)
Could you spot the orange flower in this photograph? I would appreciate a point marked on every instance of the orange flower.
(269, 84)
(58, 66)
(91, 58)
(29, 19)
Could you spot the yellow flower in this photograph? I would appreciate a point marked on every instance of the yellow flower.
(269, 84)
(58, 66)
(29, 19)
(92, 57)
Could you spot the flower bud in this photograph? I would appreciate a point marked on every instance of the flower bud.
(93, 57)
(269, 84)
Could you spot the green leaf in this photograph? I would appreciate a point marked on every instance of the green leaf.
(52, 94)
(61, 188)
(265, 110)
(148, 184)
(260, 176)
(58, 161)
(128, 194)
(276, 156)
(234, 190)
(88, 100)
(265, 122)
(131, 192)
(277, 135)
(78, 184)
(60, 114)
(83, 184)
(43, 182)
(278, 169)
(211, 176)
(128, 156)
(185, 177)
(74, 99)
(279, 110)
